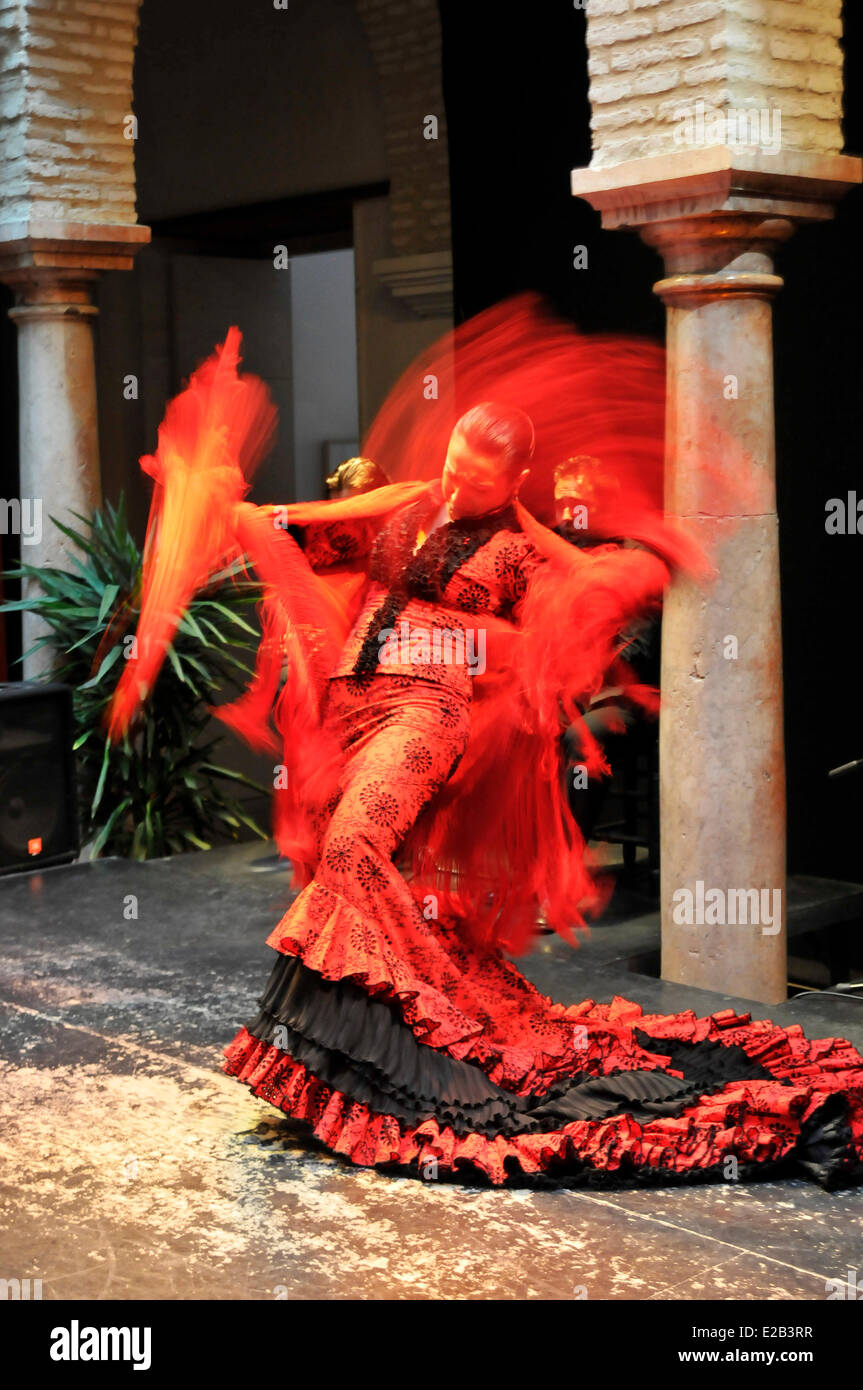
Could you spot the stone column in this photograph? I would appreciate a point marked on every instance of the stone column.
(716, 216)
(722, 761)
(53, 271)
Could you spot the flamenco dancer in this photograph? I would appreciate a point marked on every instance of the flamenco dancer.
(441, 643)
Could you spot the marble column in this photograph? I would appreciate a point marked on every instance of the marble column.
(722, 762)
(53, 270)
(717, 216)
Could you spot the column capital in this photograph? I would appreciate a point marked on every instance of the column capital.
(739, 246)
(52, 262)
(717, 214)
(792, 185)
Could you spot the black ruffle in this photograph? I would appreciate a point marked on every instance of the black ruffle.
(360, 1046)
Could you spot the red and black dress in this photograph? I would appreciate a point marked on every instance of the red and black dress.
(397, 1029)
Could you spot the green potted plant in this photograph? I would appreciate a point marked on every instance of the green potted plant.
(158, 791)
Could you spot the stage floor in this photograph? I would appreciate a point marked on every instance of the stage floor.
(131, 1167)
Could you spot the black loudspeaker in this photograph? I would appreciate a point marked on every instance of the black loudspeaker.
(38, 805)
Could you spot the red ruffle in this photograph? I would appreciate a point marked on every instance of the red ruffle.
(756, 1122)
(829, 1063)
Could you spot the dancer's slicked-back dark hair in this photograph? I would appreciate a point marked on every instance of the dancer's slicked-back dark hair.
(500, 430)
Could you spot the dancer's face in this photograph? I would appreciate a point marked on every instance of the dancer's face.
(474, 483)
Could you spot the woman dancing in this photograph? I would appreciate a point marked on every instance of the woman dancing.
(431, 667)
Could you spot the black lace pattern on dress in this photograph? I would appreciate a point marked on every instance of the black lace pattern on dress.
(426, 574)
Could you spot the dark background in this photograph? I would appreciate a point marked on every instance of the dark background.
(515, 84)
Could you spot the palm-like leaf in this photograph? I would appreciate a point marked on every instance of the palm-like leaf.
(158, 791)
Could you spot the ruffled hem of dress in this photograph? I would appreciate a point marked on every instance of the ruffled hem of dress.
(334, 939)
(823, 1132)
(359, 1045)
(331, 937)
(786, 1053)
